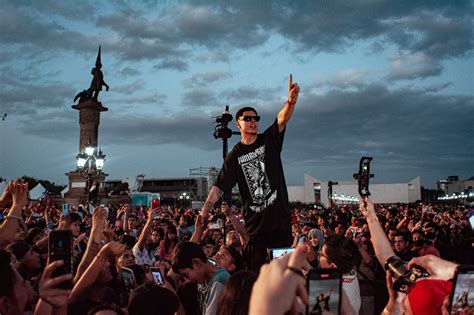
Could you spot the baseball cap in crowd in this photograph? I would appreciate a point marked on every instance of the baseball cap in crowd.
(152, 297)
(427, 295)
(19, 249)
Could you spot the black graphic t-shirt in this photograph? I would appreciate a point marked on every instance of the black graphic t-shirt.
(258, 171)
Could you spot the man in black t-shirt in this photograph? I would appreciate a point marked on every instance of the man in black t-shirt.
(255, 165)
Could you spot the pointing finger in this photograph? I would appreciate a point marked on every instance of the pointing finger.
(290, 83)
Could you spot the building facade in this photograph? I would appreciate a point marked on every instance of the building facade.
(316, 191)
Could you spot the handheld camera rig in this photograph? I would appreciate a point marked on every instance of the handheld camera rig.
(363, 176)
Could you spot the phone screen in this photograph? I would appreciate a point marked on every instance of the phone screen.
(155, 203)
(462, 298)
(60, 248)
(128, 279)
(155, 272)
(324, 292)
(276, 253)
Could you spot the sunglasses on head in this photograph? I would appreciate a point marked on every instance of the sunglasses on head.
(249, 118)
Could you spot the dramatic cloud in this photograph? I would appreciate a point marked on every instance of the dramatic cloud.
(174, 64)
(127, 71)
(383, 78)
(205, 79)
(199, 98)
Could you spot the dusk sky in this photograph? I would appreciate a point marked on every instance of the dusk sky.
(388, 79)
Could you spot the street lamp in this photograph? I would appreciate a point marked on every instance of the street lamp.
(90, 164)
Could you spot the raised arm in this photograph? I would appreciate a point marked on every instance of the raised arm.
(19, 195)
(125, 219)
(110, 250)
(383, 249)
(94, 244)
(239, 227)
(287, 111)
(146, 229)
(214, 195)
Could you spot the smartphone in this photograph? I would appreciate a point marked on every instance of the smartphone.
(155, 203)
(214, 226)
(462, 296)
(276, 253)
(324, 292)
(65, 209)
(157, 276)
(471, 221)
(212, 261)
(128, 279)
(60, 248)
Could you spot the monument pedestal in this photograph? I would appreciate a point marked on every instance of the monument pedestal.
(89, 120)
(78, 191)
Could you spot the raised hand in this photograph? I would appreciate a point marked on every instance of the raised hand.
(293, 91)
(48, 290)
(99, 218)
(112, 249)
(280, 283)
(109, 231)
(63, 222)
(19, 192)
(6, 196)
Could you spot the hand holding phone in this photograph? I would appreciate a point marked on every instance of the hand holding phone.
(60, 248)
(128, 278)
(157, 276)
(324, 291)
(155, 204)
(276, 253)
(462, 300)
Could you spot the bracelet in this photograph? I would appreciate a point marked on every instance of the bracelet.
(11, 216)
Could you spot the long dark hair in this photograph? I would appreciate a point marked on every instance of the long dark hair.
(167, 242)
(235, 296)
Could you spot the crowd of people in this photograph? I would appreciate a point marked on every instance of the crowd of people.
(119, 259)
(202, 263)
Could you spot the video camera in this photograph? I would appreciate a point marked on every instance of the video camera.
(404, 277)
(221, 131)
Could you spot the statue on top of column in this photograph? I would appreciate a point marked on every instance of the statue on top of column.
(96, 84)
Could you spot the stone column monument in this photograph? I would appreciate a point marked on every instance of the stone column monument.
(89, 119)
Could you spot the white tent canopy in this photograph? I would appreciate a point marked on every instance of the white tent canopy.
(37, 192)
(65, 190)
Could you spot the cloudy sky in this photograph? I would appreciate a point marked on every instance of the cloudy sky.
(388, 79)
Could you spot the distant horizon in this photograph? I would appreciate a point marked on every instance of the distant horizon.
(132, 180)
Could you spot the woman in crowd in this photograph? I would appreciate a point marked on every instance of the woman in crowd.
(167, 244)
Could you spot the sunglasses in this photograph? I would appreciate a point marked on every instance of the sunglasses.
(249, 118)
